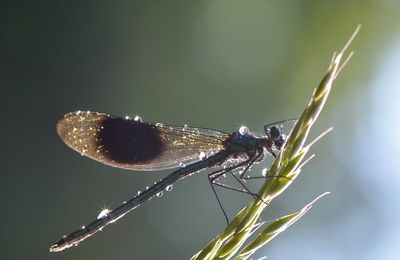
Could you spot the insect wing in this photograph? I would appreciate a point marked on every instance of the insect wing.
(135, 145)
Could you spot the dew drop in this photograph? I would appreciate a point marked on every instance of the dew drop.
(169, 187)
(159, 194)
(244, 130)
(159, 125)
(147, 187)
(127, 118)
(202, 155)
(103, 213)
(181, 164)
(83, 227)
(138, 193)
(264, 172)
(138, 119)
(84, 151)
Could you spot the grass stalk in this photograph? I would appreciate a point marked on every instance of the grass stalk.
(284, 170)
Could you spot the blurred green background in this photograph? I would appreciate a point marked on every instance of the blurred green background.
(217, 64)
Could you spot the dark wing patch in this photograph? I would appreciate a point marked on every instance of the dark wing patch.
(127, 141)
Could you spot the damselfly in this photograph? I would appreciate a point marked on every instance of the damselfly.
(135, 145)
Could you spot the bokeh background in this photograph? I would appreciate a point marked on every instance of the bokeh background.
(216, 64)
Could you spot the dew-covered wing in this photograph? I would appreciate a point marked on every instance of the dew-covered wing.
(135, 145)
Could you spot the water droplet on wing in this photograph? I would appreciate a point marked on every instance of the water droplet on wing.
(202, 155)
(264, 172)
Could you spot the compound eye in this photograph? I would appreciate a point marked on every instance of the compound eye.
(279, 143)
(275, 133)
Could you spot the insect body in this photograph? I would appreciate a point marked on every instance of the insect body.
(135, 145)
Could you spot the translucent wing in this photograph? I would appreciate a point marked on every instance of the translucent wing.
(134, 145)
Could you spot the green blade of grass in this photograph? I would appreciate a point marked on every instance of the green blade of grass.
(272, 230)
(282, 173)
